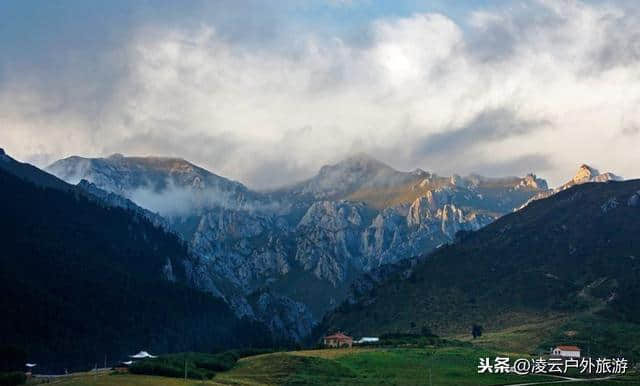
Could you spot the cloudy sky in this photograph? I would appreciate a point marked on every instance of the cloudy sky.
(265, 92)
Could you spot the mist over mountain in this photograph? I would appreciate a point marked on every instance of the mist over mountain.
(302, 246)
(192, 177)
(169, 186)
(85, 274)
(287, 256)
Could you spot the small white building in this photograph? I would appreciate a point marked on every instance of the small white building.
(566, 351)
(368, 339)
(142, 355)
(30, 367)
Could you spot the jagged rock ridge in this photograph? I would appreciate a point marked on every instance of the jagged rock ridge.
(585, 174)
(307, 243)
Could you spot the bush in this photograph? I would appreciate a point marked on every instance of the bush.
(12, 379)
(216, 362)
(199, 365)
(248, 352)
(170, 368)
(426, 331)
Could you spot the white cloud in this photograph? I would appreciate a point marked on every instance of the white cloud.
(553, 81)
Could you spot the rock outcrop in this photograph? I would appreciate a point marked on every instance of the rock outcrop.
(585, 174)
(352, 218)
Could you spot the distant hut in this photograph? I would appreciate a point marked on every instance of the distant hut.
(123, 367)
(566, 351)
(142, 355)
(368, 340)
(338, 339)
(29, 366)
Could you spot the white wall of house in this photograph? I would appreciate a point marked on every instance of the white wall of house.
(566, 354)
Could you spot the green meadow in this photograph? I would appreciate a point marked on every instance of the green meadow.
(375, 366)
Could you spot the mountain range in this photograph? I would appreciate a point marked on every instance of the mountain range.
(300, 249)
(313, 256)
(86, 277)
(570, 256)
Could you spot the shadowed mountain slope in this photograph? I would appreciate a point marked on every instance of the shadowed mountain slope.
(302, 246)
(81, 280)
(575, 251)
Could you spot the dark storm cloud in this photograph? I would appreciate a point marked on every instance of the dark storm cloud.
(488, 126)
(496, 36)
(623, 42)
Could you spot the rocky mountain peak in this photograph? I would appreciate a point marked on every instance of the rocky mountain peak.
(351, 217)
(585, 173)
(161, 184)
(353, 173)
(532, 181)
(361, 162)
(420, 172)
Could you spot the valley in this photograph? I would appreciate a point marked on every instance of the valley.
(320, 192)
(300, 248)
(446, 366)
(360, 247)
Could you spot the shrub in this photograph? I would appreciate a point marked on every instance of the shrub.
(217, 362)
(199, 365)
(170, 368)
(12, 379)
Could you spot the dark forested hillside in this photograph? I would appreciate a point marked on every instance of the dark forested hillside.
(577, 252)
(81, 281)
(306, 243)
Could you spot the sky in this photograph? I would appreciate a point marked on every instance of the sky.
(266, 92)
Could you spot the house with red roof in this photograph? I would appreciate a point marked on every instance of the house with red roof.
(339, 339)
(566, 351)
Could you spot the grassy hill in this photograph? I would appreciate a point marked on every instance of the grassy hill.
(454, 365)
(573, 255)
(443, 366)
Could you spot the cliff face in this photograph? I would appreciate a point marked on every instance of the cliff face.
(351, 218)
(573, 252)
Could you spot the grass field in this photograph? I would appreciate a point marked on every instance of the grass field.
(117, 380)
(443, 366)
(524, 338)
(398, 366)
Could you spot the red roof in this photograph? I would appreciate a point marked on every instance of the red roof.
(568, 348)
(339, 336)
